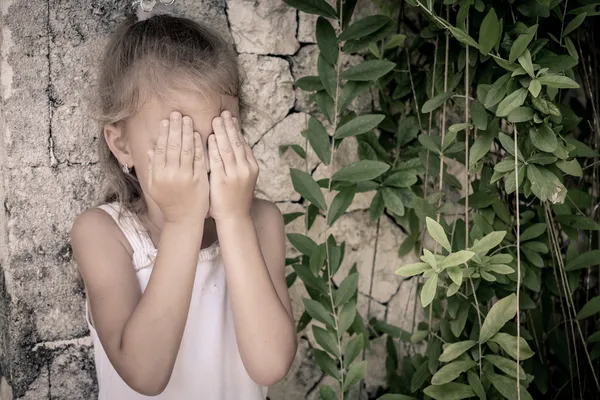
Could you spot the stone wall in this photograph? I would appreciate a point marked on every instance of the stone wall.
(48, 165)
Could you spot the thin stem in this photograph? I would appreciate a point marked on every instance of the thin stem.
(328, 254)
(479, 319)
(518, 218)
(467, 131)
(562, 25)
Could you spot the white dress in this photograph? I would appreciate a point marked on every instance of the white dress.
(208, 364)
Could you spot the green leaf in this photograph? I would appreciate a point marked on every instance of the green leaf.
(393, 396)
(289, 217)
(476, 385)
(355, 373)
(302, 243)
(509, 344)
(533, 231)
(327, 393)
(319, 7)
(584, 260)
(304, 184)
(545, 185)
(578, 222)
(396, 40)
(436, 231)
(454, 350)
(503, 311)
(401, 179)
(340, 204)
(526, 63)
(297, 149)
(431, 143)
(500, 269)
(488, 242)
(462, 36)
(347, 316)
(574, 24)
(512, 101)
(496, 92)
(507, 387)
(326, 340)
(480, 147)
(571, 48)
(450, 372)
(347, 289)
(520, 114)
(458, 258)
(364, 170)
(318, 312)
(359, 125)
(326, 40)
(419, 377)
(449, 391)
(325, 103)
(590, 308)
(479, 115)
(571, 167)
(521, 43)
(435, 102)
(327, 76)
(505, 365)
(310, 83)
(309, 279)
(558, 81)
(364, 27)
(428, 291)
(535, 87)
(326, 363)
(393, 201)
(456, 274)
(413, 269)
(489, 32)
(594, 337)
(353, 348)
(319, 140)
(350, 91)
(352, 46)
(368, 70)
(377, 206)
(543, 138)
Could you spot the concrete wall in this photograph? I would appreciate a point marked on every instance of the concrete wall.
(49, 171)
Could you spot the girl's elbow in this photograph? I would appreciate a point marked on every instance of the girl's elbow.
(146, 384)
(276, 371)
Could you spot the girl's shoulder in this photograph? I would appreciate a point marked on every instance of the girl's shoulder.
(265, 212)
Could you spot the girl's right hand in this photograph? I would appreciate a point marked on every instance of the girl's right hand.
(177, 176)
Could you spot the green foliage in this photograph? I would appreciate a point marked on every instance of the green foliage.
(511, 292)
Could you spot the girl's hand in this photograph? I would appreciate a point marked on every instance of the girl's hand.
(233, 170)
(177, 177)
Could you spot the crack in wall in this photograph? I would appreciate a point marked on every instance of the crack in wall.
(49, 92)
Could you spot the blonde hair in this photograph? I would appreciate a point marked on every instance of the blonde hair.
(156, 56)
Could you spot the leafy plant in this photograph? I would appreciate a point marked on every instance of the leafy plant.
(511, 281)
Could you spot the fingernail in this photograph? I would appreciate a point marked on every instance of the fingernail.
(226, 114)
(165, 123)
(176, 116)
(187, 121)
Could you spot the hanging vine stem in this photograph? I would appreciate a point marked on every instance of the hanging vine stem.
(569, 296)
(327, 230)
(433, 75)
(518, 218)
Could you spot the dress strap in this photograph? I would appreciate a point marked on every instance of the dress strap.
(134, 232)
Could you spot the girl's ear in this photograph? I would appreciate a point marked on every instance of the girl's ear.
(115, 138)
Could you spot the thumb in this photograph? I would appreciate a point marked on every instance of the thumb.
(150, 162)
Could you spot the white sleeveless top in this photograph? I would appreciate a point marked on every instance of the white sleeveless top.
(208, 365)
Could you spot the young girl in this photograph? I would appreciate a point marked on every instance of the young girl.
(183, 267)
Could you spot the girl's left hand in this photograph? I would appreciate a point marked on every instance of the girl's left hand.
(233, 170)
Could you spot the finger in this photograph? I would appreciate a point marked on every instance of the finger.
(216, 162)
(174, 142)
(234, 136)
(245, 145)
(224, 147)
(199, 159)
(160, 150)
(150, 162)
(187, 146)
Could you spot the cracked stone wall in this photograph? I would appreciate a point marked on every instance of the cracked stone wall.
(48, 54)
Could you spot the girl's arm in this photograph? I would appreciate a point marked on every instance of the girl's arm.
(140, 334)
(253, 250)
(252, 240)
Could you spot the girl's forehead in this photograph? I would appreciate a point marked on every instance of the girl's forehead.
(189, 103)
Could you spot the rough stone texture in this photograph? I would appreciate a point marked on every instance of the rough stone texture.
(49, 51)
(263, 27)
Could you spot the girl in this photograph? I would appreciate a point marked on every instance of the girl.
(183, 268)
